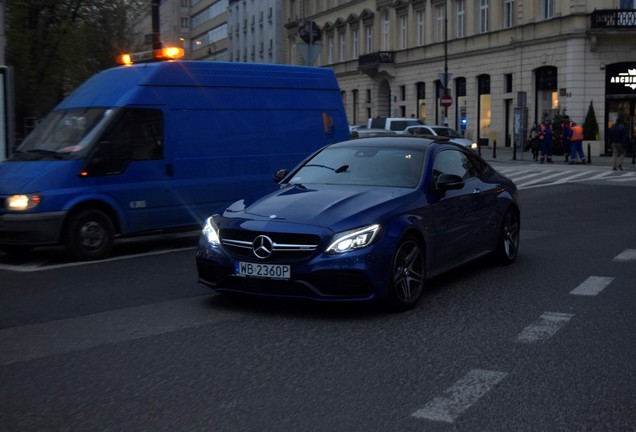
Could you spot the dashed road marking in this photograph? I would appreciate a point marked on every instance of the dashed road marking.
(461, 396)
(592, 286)
(626, 255)
(544, 328)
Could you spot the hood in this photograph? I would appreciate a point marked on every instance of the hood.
(326, 206)
(35, 176)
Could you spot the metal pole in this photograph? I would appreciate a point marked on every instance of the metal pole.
(156, 35)
(446, 59)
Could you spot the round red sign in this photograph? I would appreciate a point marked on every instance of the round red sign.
(446, 100)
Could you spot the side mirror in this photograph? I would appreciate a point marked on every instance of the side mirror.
(449, 182)
(280, 175)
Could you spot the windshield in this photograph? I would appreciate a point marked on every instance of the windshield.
(65, 134)
(447, 132)
(369, 166)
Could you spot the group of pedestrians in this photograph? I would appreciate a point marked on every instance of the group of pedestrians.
(542, 139)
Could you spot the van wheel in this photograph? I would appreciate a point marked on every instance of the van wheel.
(89, 235)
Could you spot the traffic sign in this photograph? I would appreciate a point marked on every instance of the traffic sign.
(446, 100)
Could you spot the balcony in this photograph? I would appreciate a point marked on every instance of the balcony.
(614, 18)
(375, 59)
(377, 65)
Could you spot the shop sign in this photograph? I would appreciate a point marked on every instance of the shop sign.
(620, 78)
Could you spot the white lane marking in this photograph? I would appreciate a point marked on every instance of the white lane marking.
(544, 178)
(601, 175)
(73, 334)
(41, 265)
(627, 177)
(592, 286)
(572, 177)
(626, 255)
(461, 396)
(544, 328)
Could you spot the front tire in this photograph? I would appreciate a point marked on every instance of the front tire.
(89, 235)
(408, 271)
(508, 241)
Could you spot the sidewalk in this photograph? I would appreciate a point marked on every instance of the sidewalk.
(506, 155)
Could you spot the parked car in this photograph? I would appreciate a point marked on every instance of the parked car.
(437, 130)
(364, 219)
(397, 124)
(366, 133)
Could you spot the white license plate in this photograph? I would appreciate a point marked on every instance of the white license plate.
(268, 271)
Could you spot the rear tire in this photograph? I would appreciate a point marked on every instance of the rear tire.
(508, 241)
(408, 272)
(89, 235)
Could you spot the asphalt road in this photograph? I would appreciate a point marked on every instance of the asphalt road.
(134, 344)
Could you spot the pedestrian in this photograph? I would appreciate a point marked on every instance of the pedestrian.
(534, 141)
(576, 144)
(545, 137)
(566, 136)
(617, 139)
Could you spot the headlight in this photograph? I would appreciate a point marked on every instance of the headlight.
(23, 202)
(211, 232)
(354, 239)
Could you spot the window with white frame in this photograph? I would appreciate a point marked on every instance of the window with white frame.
(420, 28)
(547, 9)
(368, 35)
(483, 16)
(439, 23)
(341, 46)
(330, 50)
(404, 35)
(460, 18)
(355, 48)
(386, 31)
(508, 13)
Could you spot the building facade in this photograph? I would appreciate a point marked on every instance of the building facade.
(501, 63)
(256, 31)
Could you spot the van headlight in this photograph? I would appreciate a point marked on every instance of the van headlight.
(211, 232)
(354, 239)
(23, 202)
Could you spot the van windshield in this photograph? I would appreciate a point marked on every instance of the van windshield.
(64, 134)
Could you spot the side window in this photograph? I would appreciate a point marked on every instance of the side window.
(452, 162)
(136, 134)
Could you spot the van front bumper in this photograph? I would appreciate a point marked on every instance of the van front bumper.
(31, 229)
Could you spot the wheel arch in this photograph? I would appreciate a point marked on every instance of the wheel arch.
(93, 205)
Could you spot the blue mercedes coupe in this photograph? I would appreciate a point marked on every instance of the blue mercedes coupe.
(365, 219)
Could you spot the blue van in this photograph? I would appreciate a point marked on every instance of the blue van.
(161, 146)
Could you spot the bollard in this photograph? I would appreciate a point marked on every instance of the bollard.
(494, 149)
(514, 151)
(589, 154)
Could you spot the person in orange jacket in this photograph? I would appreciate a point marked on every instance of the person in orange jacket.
(576, 144)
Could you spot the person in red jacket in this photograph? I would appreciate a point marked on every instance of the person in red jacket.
(576, 144)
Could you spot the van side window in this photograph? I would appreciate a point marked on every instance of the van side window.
(137, 134)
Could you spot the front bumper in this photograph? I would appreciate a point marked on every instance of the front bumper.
(31, 229)
(358, 276)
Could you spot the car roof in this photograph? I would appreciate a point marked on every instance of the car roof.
(397, 141)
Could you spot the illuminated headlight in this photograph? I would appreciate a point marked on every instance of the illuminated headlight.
(474, 146)
(352, 240)
(211, 232)
(23, 202)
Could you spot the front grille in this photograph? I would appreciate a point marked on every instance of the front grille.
(286, 247)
